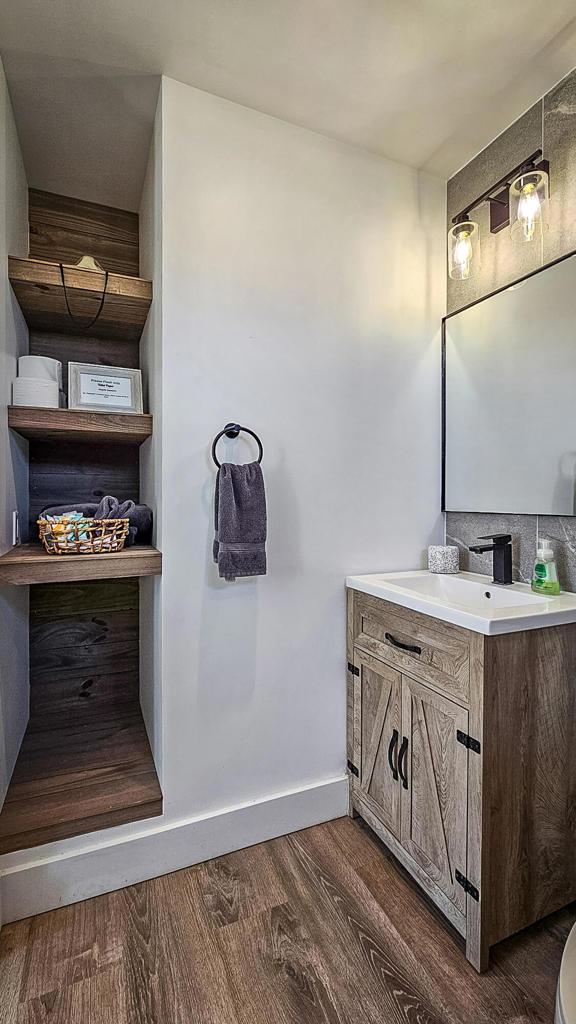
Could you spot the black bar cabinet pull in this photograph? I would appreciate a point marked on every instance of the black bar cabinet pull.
(402, 762)
(392, 755)
(403, 647)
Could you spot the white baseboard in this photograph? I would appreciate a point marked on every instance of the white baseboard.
(45, 881)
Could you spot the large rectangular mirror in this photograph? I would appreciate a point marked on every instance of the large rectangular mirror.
(510, 398)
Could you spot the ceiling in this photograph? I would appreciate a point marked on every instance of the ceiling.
(425, 82)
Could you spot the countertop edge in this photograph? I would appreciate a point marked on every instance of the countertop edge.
(467, 620)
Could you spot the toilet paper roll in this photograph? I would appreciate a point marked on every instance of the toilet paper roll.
(40, 368)
(35, 392)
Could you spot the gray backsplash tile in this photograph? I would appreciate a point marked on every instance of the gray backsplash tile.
(464, 528)
(520, 140)
(501, 259)
(550, 124)
(560, 150)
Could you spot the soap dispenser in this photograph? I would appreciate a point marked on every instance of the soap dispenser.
(545, 575)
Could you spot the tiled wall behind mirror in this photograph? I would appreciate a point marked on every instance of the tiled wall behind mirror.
(549, 125)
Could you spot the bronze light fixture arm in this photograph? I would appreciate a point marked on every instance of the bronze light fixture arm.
(497, 194)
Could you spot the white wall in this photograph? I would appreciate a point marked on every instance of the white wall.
(13, 455)
(302, 295)
(150, 215)
(302, 290)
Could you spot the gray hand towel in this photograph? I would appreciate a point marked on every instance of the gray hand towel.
(240, 521)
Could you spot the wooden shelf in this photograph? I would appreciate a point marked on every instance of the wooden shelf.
(86, 770)
(29, 563)
(69, 425)
(85, 762)
(37, 285)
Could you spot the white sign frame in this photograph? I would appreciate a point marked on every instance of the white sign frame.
(96, 388)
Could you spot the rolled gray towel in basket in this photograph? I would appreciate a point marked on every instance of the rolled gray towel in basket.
(111, 508)
(240, 521)
(87, 508)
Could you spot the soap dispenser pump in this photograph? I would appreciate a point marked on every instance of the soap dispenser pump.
(545, 575)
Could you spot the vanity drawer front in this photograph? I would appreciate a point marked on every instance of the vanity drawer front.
(433, 651)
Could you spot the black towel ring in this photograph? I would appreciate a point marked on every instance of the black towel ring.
(232, 430)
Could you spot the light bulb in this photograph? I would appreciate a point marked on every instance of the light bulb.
(463, 254)
(529, 210)
(528, 199)
(463, 250)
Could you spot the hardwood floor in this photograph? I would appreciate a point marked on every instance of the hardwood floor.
(319, 927)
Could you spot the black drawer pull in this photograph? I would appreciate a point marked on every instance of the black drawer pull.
(392, 755)
(403, 647)
(402, 762)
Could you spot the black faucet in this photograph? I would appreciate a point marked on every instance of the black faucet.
(502, 551)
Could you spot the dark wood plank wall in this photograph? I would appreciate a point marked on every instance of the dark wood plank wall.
(66, 473)
(79, 472)
(64, 229)
(83, 659)
(84, 637)
(80, 349)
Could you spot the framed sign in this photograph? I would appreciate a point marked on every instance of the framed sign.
(104, 388)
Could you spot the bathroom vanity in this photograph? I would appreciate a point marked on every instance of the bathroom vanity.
(461, 736)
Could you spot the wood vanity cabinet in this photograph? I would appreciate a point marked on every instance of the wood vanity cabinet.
(462, 757)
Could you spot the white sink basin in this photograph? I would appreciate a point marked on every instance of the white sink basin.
(477, 594)
(470, 600)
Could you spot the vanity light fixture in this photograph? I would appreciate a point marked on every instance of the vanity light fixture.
(519, 199)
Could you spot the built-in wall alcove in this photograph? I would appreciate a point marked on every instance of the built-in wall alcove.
(85, 762)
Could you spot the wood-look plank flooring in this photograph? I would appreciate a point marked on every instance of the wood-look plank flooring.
(319, 927)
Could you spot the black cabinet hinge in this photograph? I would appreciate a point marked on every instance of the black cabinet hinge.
(467, 886)
(353, 769)
(468, 741)
(352, 668)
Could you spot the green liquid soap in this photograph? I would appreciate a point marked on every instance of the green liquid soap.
(545, 575)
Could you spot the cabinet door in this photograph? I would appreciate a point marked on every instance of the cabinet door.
(434, 772)
(377, 713)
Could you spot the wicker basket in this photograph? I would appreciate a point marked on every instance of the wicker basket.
(83, 536)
